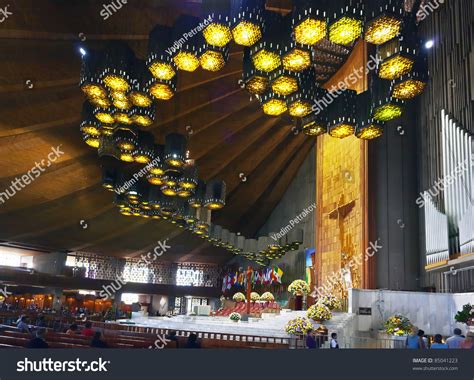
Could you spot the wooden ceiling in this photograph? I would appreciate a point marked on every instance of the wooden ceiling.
(40, 106)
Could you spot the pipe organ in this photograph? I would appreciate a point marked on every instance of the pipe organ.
(436, 227)
(451, 233)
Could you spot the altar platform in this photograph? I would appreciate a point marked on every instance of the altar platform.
(270, 325)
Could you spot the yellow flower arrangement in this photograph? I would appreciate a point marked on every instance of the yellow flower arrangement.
(267, 296)
(298, 326)
(319, 312)
(299, 288)
(254, 296)
(238, 297)
(331, 302)
(398, 325)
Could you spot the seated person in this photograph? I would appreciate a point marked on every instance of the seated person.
(38, 341)
(97, 342)
(72, 330)
(456, 340)
(40, 322)
(438, 342)
(193, 342)
(23, 324)
(172, 337)
(87, 330)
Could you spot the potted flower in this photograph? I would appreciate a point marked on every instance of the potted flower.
(299, 288)
(254, 296)
(397, 327)
(238, 297)
(466, 315)
(333, 303)
(267, 297)
(298, 326)
(319, 313)
(235, 317)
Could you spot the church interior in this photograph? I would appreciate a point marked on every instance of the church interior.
(236, 173)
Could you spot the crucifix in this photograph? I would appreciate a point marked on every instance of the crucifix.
(340, 213)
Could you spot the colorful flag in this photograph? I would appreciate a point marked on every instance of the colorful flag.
(277, 274)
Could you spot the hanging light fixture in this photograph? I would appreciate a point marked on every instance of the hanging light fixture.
(185, 56)
(309, 24)
(168, 207)
(175, 150)
(218, 32)
(170, 187)
(255, 81)
(157, 167)
(273, 104)
(143, 116)
(189, 178)
(117, 66)
(300, 104)
(189, 214)
(385, 22)
(284, 82)
(90, 81)
(159, 62)
(139, 95)
(109, 176)
(121, 116)
(412, 84)
(247, 26)
(104, 115)
(203, 216)
(398, 54)
(346, 27)
(342, 115)
(215, 195)
(89, 125)
(266, 52)
(155, 197)
(385, 107)
(162, 89)
(143, 152)
(213, 58)
(295, 57)
(197, 199)
(369, 129)
(314, 124)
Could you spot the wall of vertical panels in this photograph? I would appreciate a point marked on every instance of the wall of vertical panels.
(451, 87)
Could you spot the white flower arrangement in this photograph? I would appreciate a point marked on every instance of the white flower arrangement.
(235, 317)
(299, 288)
(333, 303)
(254, 296)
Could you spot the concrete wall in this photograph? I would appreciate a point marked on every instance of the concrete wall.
(393, 213)
(432, 312)
(300, 195)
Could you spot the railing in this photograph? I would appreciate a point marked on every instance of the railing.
(206, 335)
(372, 343)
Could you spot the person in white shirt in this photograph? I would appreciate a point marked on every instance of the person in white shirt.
(456, 340)
(333, 343)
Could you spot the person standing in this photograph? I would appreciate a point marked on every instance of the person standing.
(456, 340)
(438, 343)
(334, 344)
